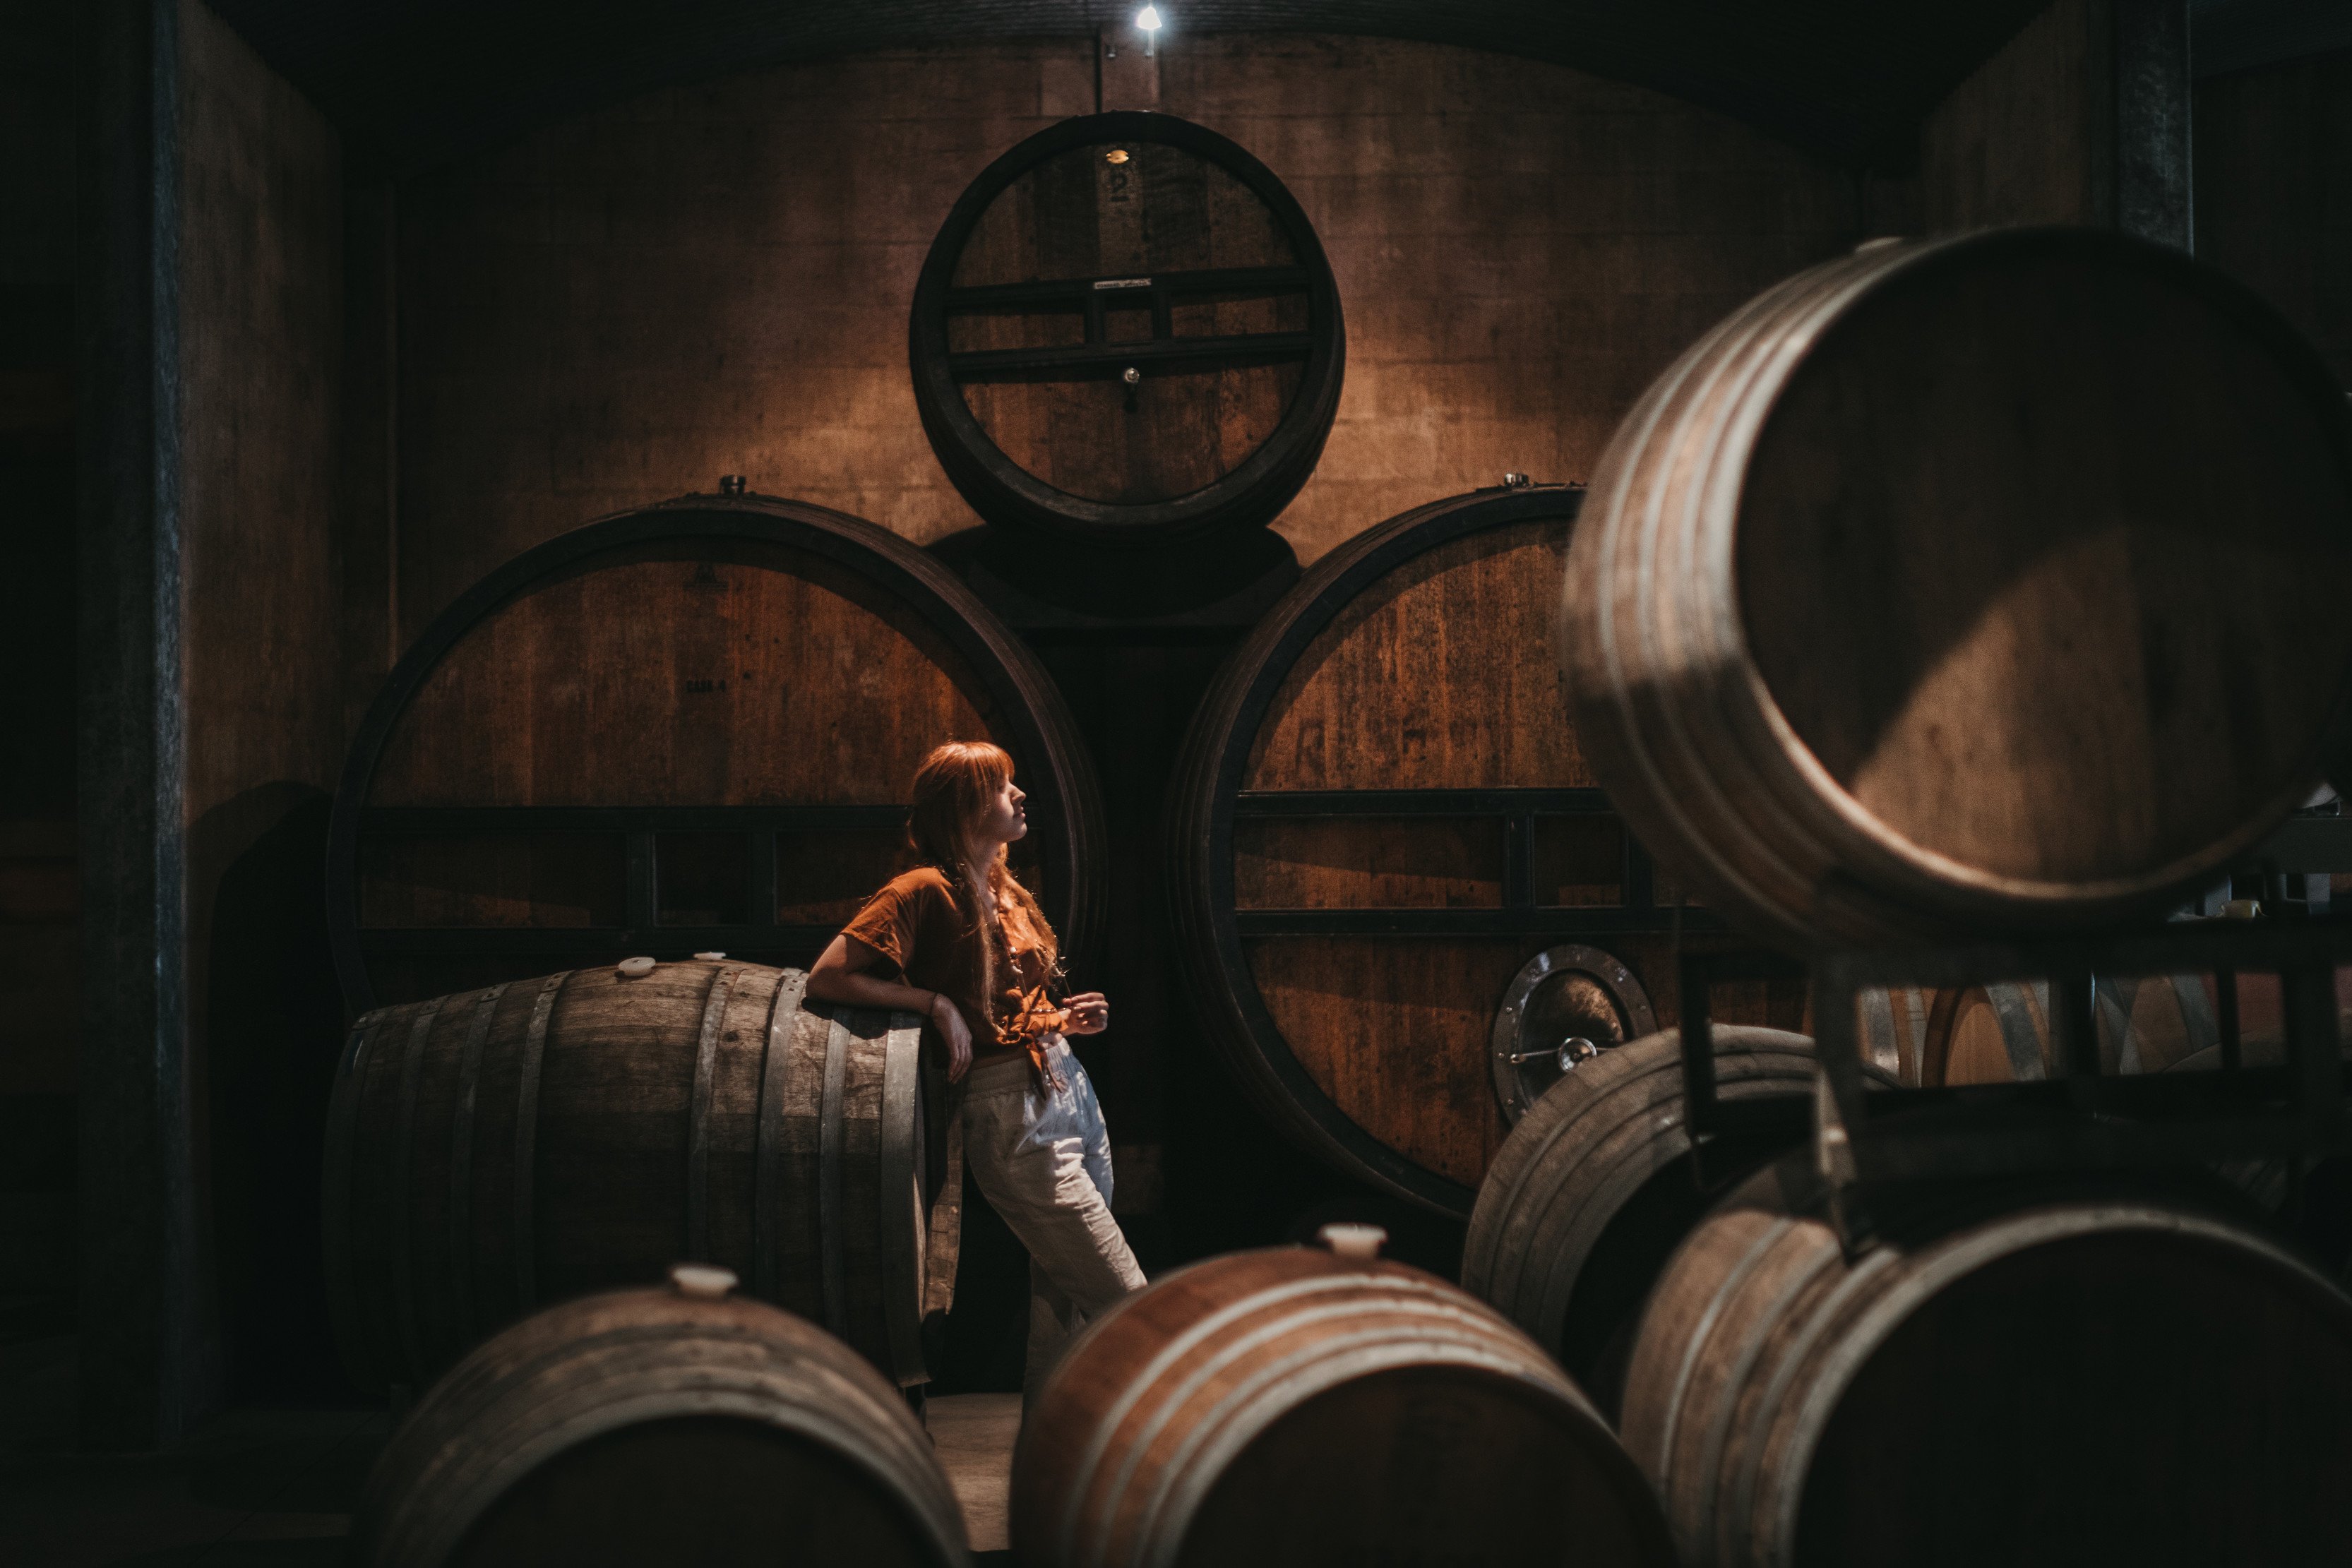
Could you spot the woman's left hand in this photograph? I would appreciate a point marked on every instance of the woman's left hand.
(1089, 1012)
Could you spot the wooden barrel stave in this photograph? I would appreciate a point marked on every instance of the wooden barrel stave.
(1709, 686)
(653, 1427)
(1292, 1407)
(1352, 957)
(2034, 1342)
(773, 1152)
(502, 813)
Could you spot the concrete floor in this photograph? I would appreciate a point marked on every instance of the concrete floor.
(274, 1488)
(973, 1434)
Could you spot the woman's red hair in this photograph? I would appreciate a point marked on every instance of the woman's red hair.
(952, 791)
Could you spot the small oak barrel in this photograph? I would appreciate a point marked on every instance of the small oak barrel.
(1127, 331)
(1965, 585)
(1294, 1406)
(2022, 1372)
(1595, 1187)
(2000, 1033)
(688, 727)
(645, 1426)
(499, 1149)
(1377, 823)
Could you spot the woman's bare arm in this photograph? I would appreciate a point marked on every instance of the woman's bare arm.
(837, 975)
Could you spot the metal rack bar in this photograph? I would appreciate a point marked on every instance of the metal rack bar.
(1108, 358)
(2081, 1118)
(1567, 920)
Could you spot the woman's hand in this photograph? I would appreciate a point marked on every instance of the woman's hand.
(947, 1018)
(1089, 1012)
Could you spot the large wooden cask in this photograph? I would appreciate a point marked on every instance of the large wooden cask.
(1596, 1186)
(645, 1426)
(1299, 1407)
(496, 1150)
(1380, 821)
(1127, 331)
(1967, 585)
(685, 729)
(2028, 1371)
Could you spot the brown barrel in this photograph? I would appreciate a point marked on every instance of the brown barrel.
(1292, 1407)
(1595, 1187)
(2000, 1033)
(685, 729)
(1127, 331)
(1892, 1025)
(1379, 823)
(1965, 585)
(2022, 1373)
(660, 1427)
(496, 1150)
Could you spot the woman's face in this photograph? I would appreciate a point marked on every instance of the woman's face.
(1004, 818)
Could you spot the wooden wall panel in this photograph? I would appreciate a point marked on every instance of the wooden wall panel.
(2028, 138)
(259, 375)
(2274, 190)
(714, 279)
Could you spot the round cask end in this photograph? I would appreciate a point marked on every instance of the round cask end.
(2014, 1371)
(2000, 1033)
(496, 1150)
(1596, 1186)
(685, 729)
(1379, 822)
(654, 1426)
(1292, 1407)
(1968, 584)
(1126, 332)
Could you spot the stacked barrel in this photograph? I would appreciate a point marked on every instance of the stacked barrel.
(1950, 592)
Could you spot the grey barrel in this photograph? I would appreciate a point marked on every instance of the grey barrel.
(645, 1426)
(495, 1150)
(2030, 1371)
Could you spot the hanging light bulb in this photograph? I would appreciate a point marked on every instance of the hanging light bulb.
(1147, 19)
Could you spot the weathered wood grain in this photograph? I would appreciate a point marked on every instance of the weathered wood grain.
(651, 1425)
(1292, 1407)
(2052, 655)
(495, 1149)
(2014, 1372)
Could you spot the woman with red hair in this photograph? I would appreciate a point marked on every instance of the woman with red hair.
(959, 941)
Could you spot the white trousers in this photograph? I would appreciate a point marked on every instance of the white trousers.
(1043, 1160)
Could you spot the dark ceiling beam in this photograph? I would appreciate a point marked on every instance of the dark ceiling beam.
(418, 84)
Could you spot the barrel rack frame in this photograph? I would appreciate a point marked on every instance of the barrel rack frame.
(2078, 1119)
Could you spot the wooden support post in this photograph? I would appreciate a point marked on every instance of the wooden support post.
(2082, 117)
(147, 1372)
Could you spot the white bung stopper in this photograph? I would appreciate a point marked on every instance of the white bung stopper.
(703, 1281)
(1360, 1242)
(710, 958)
